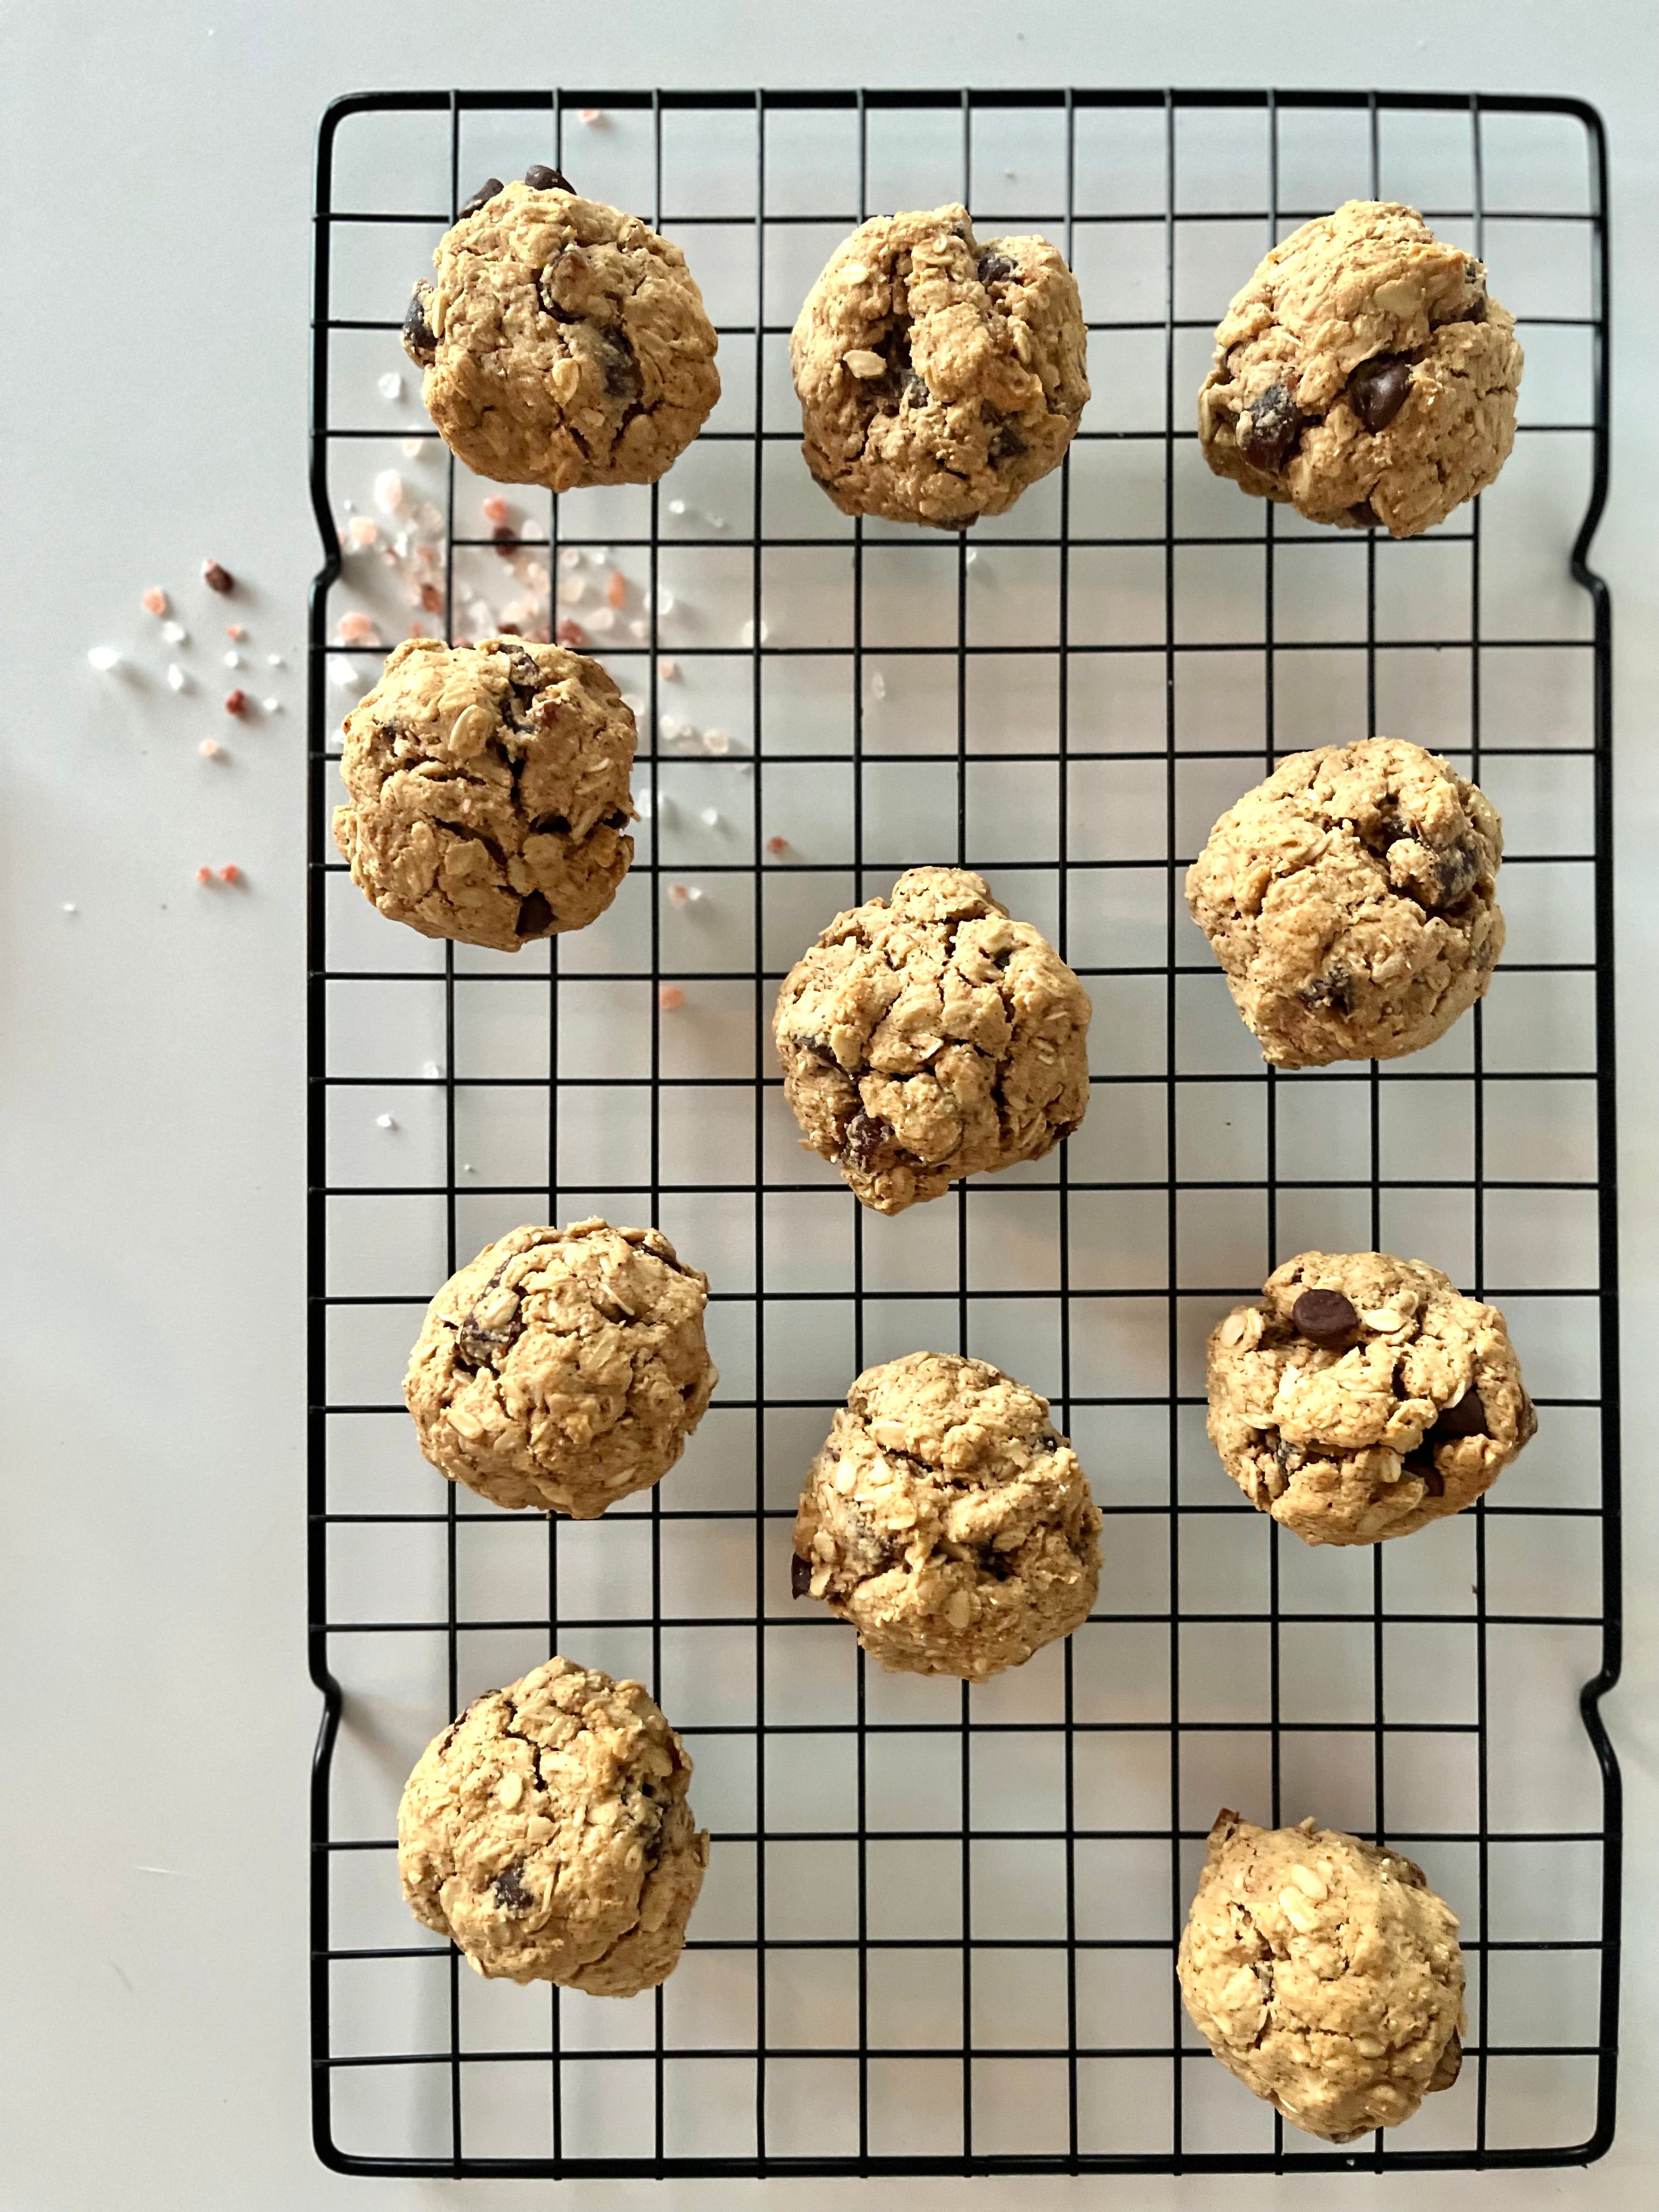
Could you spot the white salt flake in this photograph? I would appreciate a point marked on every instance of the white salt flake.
(346, 676)
(391, 386)
(570, 556)
(668, 729)
(643, 803)
(665, 602)
(715, 521)
(710, 817)
(389, 491)
(430, 1069)
(414, 447)
(969, 558)
(677, 507)
(746, 635)
(272, 706)
(232, 659)
(573, 590)
(639, 628)
(879, 684)
(632, 701)
(384, 1121)
(602, 619)
(716, 741)
(274, 660)
(176, 679)
(174, 632)
(70, 907)
(669, 671)
(104, 658)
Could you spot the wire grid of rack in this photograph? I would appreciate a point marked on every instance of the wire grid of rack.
(937, 1931)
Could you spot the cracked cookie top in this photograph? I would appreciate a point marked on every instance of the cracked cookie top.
(564, 1368)
(938, 373)
(1365, 1396)
(1351, 899)
(564, 343)
(546, 1833)
(928, 1036)
(1325, 1973)
(1365, 374)
(947, 1520)
(487, 790)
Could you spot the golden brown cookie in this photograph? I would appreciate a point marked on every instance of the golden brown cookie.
(564, 343)
(1352, 900)
(546, 1833)
(1365, 374)
(1365, 1396)
(1325, 1973)
(928, 1036)
(947, 1520)
(938, 373)
(487, 791)
(562, 1368)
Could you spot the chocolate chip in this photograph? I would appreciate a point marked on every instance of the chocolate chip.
(1325, 1318)
(622, 379)
(1334, 989)
(535, 915)
(1378, 389)
(916, 393)
(1459, 869)
(1064, 1129)
(541, 178)
(867, 1135)
(217, 578)
(545, 294)
(419, 343)
(511, 1895)
(818, 1049)
(1275, 428)
(1006, 445)
(994, 267)
(505, 538)
(550, 825)
(1365, 515)
(800, 1575)
(1421, 1464)
(485, 193)
(617, 820)
(1468, 1418)
(1450, 2065)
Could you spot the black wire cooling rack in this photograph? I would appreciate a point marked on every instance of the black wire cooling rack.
(938, 1931)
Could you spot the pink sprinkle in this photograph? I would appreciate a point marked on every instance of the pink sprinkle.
(154, 601)
(204, 875)
(432, 599)
(355, 628)
(776, 845)
(236, 701)
(670, 998)
(416, 629)
(210, 749)
(571, 633)
(617, 590)
(588, 115)
(230, 873)
(234, 629)
(679, 894)
(497, 509)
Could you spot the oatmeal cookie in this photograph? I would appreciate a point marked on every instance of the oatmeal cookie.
(1325, 1973)
(562, 1368)
(1365, 1396)
(1353, 901)
(947, 1521)
(929, 1037)
(487, 791)
(564, 343)
(1365, 374)
(938, 373)
(546, 1834)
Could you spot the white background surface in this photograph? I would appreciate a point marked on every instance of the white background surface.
(158, 1712)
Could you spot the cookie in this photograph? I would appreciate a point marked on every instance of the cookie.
(546, 1834)
(564, 343)
(1365, 374)
(1325, 1973)
(928, 1037)
(1365, 1396)
(938, 373)
(947, 1519)
(562, 1368)
(1351, 899)
(487, 791)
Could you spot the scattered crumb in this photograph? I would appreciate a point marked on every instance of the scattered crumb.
(217, 577)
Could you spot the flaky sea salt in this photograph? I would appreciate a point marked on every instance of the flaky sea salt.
(391, 386)
(389, 491)
(104, 658)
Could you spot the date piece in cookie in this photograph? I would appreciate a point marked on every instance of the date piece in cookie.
(1325, 1973)
(564, 343)
(546, 1834)
(564, 1368)
(487, 791)
(938, 373)
(928, 1037)
(947, 1519)
(1353, 901)
(1365, 374)
(1364, 1396)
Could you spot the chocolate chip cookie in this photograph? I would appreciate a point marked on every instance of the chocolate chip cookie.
(487, 791)
(947, 1519)
(938, 373)
(1365, 374)
(564, 343)
(562, 1368)
(1351, 899)
(1325, 1973)
(1365, 1396)
(546, 1834)
(928, 1037)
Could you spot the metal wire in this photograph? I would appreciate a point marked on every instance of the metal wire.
(969, 2142)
